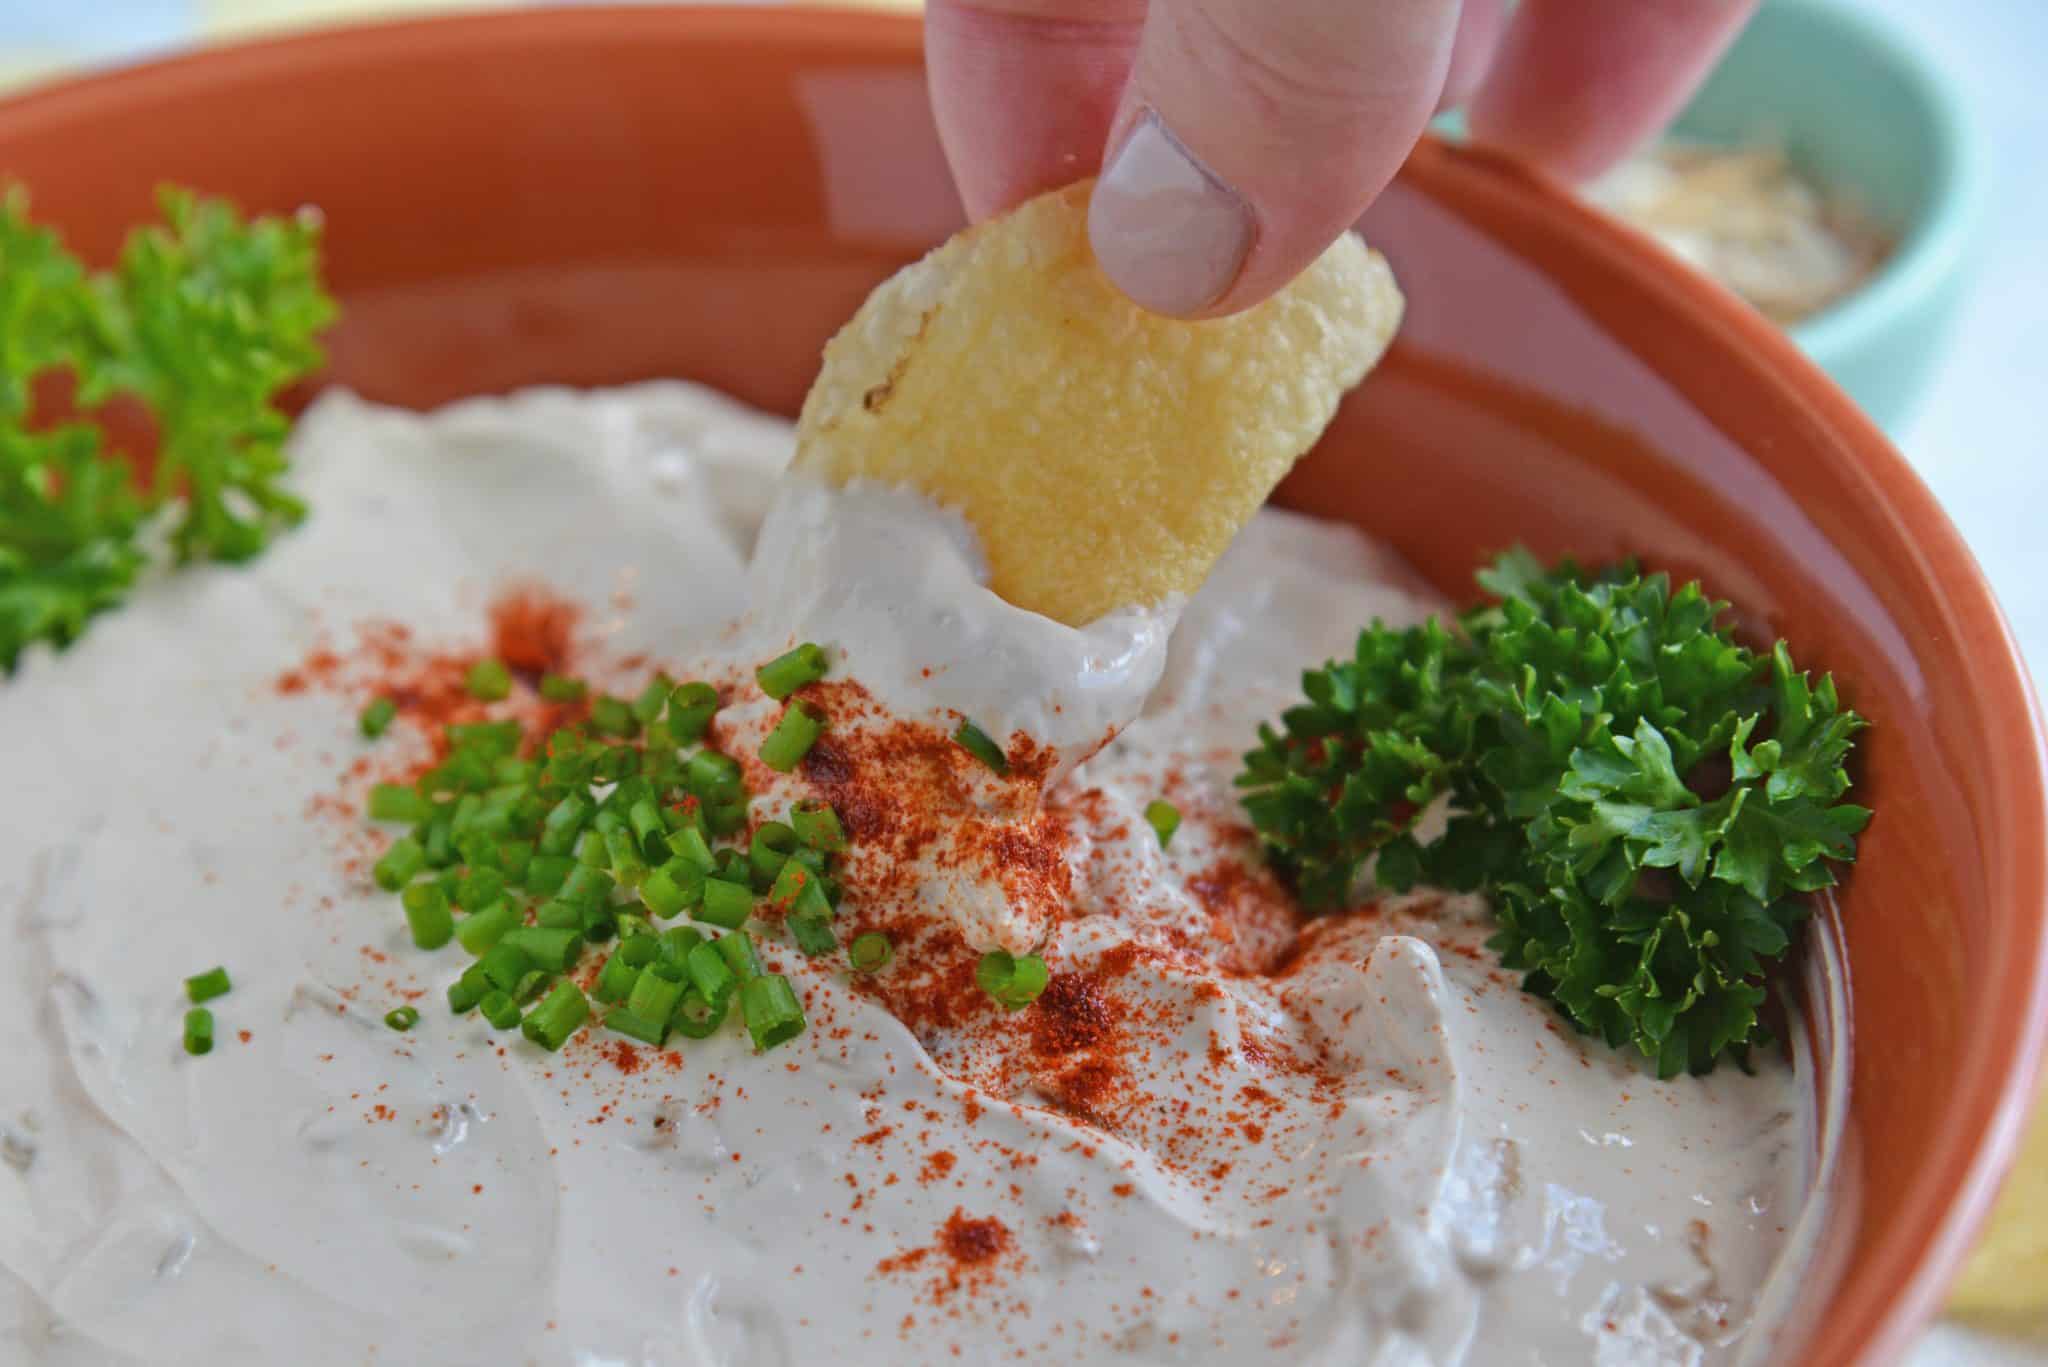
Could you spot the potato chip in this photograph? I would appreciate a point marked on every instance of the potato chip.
(1105, 455)
(2008, 1273)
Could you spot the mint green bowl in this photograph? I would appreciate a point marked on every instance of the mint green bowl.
(1856, 108)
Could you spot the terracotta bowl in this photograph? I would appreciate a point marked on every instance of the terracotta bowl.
(591, 196)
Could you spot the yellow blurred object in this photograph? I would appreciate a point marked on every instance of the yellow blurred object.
(2008, 1274)
(240, 18)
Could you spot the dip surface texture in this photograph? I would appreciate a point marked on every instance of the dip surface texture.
(1221, 1134)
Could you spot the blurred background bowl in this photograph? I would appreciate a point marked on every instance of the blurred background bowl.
(1858, 109)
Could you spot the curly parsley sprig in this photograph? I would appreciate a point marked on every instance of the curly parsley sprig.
(204, 319)
(1642, 799)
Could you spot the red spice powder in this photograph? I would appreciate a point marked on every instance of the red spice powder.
(970, 1252)
(624, 1057)
(532, 630)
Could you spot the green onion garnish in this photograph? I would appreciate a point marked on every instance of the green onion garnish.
(737, 949)
(716, 778)
(500, 1010)
(377, 717)
(480, 930)
(628, 868)
(554, 950)
(479, 888)
(488, 681)
(792, 738)
(690, 709)
(611, 716)
(545, 873)
(647, 708)
(871, 952)
(769, 850)
(772, 1012)
(655, 994)
(638, 948)
(817, 825)
(560, 1014)
(562, 688)
(204, 987)
(626, 1022)
(469, 989)
(812, 933)
(1014, 981)
(506, 964)
(672, 889)
(976, 742)
(1164, 819)
(396, 802)
(697, 1017)
(404, 859)
(199, 1031)
(402, 1017)
(559, 914)
(616, 979)
(564, 823)
(586, 885)
(711, 975)
(427, 914)
(785, 674)
(726, 905)
(677, 942)
(644, 816)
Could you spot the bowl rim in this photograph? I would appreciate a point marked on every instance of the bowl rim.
(1933, 250)
(1923, 1251)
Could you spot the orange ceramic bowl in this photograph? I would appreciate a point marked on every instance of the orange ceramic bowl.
(592, 196)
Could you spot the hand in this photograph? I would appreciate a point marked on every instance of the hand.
(1237, 138)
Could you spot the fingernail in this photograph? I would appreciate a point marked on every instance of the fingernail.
(1165, 228)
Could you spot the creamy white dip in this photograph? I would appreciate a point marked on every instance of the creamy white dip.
(1226, 1139)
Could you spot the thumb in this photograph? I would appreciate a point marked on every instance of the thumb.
(1252, 133)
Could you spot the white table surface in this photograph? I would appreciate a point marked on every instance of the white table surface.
(1977, 438)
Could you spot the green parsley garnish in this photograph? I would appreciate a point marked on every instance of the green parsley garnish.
(204, 320)
(1641, 798)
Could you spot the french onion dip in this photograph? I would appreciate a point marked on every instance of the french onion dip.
(1222, 1133)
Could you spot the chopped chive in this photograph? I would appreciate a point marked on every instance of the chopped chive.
(600, 923)
(644, 816)
(559, 914)
(402, 1017)
(716, 778)
(440, 844)
(690, 709)
(690, 846)
(870, 952)
(812, 932)
(625, 1022)
(562, 688)
(976, 742)
(1164, 819)
(615, 980)
(696, 1016)
(726, 905)
(638, 949)
(480, 888)
(494, 739)
(653, 698)
(204, 987)
(591, 850)
(768, 851)
(554, 950)
(792, 738)
(786, 673)
(560, 1014)
(488, 680)
(655, 994)
(677, 942)
(711, 975)
(377, 717)
(726, 818)
(631, 925)
(505, 964)
(565, 823)
(628, 868)
(500, 1010)
(672, 888)
(427, 915)
(737, 949)
(469, 989)
(772, 1012)
(611, 716)
(545, 873)
(799, 891)
(516, 855)
(586, 885)
(397, 802)
(1014, 981)
(404, 859)
(615, 763)
(532, 985)
(817, 825)
(199, 1031)
(480, 930)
